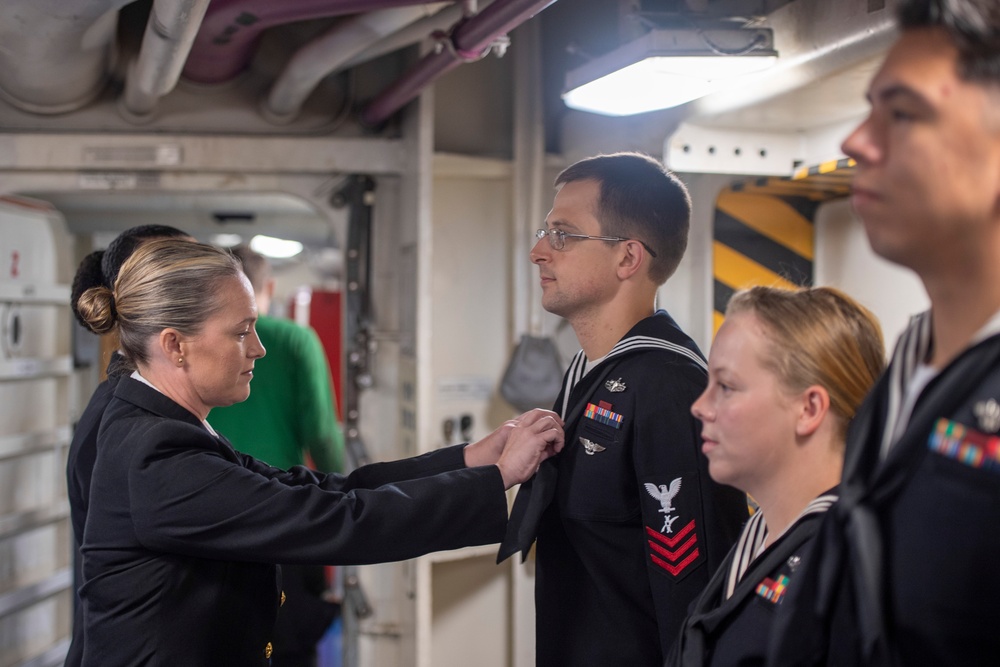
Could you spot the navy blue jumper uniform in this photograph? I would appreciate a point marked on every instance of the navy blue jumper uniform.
(905, 568)
(730, 622)
(629, 525)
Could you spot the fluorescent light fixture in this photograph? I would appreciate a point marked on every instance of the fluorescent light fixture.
(277, 248)
(666, 68)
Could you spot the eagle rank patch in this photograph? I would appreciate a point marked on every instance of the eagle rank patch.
(674, 547)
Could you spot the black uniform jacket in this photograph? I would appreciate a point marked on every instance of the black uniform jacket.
(635, 526)
(730, 632)
(79, 468)
(183, 530)
(906, 568)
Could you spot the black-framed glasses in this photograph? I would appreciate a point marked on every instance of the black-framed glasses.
(557, 239)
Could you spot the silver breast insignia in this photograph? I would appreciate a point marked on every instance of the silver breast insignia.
(591, 447)
(615, 386)
(988, 415)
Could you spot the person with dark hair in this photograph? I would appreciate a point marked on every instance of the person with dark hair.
(629, 525)
(99, 268)
(183, 532)
(787, 372)
(291, 412)
(904, 566)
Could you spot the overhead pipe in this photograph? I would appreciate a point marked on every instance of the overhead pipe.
(64, 60)
(469, 40)
(231, 28)
(411, 34)
(328, 53)
(170, 32)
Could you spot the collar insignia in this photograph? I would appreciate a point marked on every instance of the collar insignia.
(591, 447)
(615, 386)
(988, 414)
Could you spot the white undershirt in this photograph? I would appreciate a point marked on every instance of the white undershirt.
(922, 375)
(591, 364)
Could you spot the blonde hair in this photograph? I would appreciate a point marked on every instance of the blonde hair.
(818, 336)
(164, 283)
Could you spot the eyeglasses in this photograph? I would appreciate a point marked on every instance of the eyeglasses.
(557, 239)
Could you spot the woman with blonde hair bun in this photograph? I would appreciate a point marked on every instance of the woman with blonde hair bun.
(183, 532)
(787, 372)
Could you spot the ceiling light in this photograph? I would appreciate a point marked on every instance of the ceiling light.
(226, 240)
(665, 68)
(273, 247)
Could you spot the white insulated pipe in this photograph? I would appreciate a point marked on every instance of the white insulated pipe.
(170, 32)
(64, 60)
(330, 51)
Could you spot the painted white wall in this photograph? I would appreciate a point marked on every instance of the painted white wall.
(845, 260)
(687, 295)
(462, 597)
(470, 290)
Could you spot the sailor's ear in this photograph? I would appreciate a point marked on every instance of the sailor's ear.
(813, 408)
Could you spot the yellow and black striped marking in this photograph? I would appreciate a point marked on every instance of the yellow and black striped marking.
(764, 229)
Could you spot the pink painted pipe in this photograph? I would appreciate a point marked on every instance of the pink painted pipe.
(470, 37)
(225, 43)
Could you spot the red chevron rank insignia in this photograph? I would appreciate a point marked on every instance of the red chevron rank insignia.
(674, 553)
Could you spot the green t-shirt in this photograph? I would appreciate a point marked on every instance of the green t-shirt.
(291, 409)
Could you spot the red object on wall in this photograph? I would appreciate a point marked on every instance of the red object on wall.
(326, 318)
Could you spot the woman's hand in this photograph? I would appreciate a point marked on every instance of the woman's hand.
(530, 442)
(488, 450)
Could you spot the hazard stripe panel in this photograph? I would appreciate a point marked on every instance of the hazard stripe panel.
(739, 271)
(772, 255)
(723, 293)
(764, 232)
(769, 217)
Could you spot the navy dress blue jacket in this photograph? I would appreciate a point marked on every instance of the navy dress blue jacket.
(79, 469)
(183, 531)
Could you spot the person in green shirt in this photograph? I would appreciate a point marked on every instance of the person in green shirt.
(291, 412)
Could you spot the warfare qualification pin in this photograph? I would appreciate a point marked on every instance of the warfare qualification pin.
(615, 386)
(591, 447)
(988, 415)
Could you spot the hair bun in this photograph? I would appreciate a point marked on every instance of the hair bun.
(97, 308)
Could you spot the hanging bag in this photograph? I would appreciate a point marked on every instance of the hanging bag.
(534, 374)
